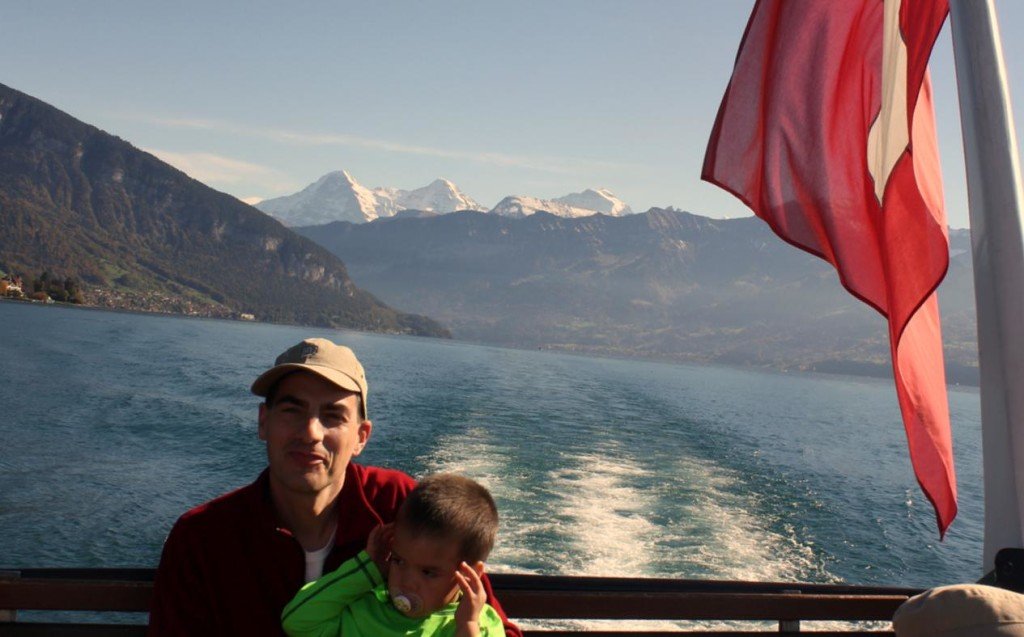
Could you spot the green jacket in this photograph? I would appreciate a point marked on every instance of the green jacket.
(353, 602)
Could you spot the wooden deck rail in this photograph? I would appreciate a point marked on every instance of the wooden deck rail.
(524, 597)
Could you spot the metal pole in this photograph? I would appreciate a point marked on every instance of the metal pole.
(997, 241)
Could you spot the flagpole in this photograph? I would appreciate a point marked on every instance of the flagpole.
(997, 241)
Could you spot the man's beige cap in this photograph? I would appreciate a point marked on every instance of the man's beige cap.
(336, 363)
(961, 610)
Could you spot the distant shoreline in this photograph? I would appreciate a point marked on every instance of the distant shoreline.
(955, 377)
(119, 310)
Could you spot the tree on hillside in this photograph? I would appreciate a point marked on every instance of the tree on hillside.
(68, 290)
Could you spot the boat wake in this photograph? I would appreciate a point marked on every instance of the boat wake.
(604, 513)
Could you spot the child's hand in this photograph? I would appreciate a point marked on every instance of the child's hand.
(467, 615)
(378, 545)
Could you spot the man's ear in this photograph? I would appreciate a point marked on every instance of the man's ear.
(479, 568)
(261, 430)
(365, 429)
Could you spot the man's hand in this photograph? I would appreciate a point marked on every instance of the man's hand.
(467, 615)
(378, 545)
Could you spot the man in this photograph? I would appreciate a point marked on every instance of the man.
(230, 565)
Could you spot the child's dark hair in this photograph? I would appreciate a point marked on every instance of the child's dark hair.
(447, 505)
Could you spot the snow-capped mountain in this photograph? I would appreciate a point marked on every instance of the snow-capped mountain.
(601, 200)
(439, 196)
(523, 206)
(337, 196)
(577, 204)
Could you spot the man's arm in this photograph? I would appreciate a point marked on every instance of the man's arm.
(316, 608)
(179, 605)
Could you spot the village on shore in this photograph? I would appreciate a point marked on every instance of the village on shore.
(47, 289)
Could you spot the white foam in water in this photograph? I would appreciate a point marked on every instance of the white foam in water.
(719, 534)
(609, 526)
(472, 454)
(609, 531)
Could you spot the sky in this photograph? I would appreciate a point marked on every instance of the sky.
(533, 97)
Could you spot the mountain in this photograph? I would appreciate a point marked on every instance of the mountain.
(439, 196)
(601, 200)
(519, 206)
(577, 204)
(78, 202)
(663, 284)
(337, 196)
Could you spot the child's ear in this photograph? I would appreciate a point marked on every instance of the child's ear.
(479, 568)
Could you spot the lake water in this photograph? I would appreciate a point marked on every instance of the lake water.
(114, 424)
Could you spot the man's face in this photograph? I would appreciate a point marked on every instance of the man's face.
(424, 566)
(312, 431)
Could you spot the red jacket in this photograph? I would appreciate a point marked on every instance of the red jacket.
(229, 568)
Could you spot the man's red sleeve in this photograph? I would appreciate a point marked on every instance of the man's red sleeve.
(180, 604)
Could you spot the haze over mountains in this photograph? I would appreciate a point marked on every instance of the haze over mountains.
(663, 284)
(337, 196)
(553, 274)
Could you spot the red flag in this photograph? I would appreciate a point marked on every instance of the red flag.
(826, 131)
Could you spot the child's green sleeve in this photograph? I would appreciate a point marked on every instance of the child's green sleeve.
(316, 608)
(490, 623)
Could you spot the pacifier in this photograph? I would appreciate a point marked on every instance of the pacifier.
(407, 603)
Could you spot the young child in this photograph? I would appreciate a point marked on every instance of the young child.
(418, 576)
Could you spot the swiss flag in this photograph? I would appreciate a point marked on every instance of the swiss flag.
(826, 132)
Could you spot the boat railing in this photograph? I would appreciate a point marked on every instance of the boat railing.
(119, 598)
